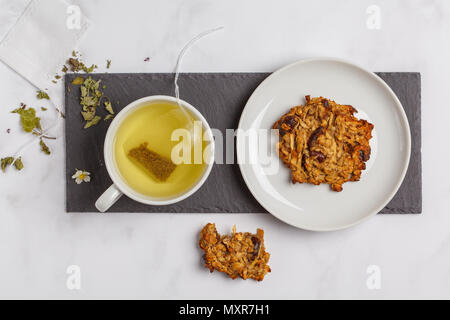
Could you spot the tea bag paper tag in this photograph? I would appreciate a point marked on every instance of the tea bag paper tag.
(41, 40)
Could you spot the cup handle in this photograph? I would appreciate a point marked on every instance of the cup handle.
(108, 198)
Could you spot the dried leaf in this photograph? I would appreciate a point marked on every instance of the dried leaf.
(18, 163)
(108, 117)
(44, 147)
(42, 95)
(5, 162)
(89, 101)
(86, 69)
(97, 85)
(28, 119)
(74, 64)
(108, 64)
(83, 91)
(78, 81)
(108, 107)
(92, 122)
(88, 115)
(43, 109)
(91, 84)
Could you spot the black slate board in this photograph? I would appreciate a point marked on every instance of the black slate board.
(220, 97)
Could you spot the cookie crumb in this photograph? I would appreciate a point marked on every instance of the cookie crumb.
(239, 255)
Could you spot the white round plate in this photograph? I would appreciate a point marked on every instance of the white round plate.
(317, 207)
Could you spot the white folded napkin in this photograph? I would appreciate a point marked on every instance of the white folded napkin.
(10, 12)
(41, 40)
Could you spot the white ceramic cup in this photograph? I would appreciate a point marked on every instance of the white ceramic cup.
(120, 187)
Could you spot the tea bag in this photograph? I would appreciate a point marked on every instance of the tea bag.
(156, 165)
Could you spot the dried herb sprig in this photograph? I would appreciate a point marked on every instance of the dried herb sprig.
(90, 99)
(31, 123)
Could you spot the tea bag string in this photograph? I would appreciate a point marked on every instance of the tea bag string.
(180, 60)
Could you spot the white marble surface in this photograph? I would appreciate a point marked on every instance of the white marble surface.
(155, 255)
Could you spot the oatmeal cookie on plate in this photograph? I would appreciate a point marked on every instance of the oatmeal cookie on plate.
(323, 142)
